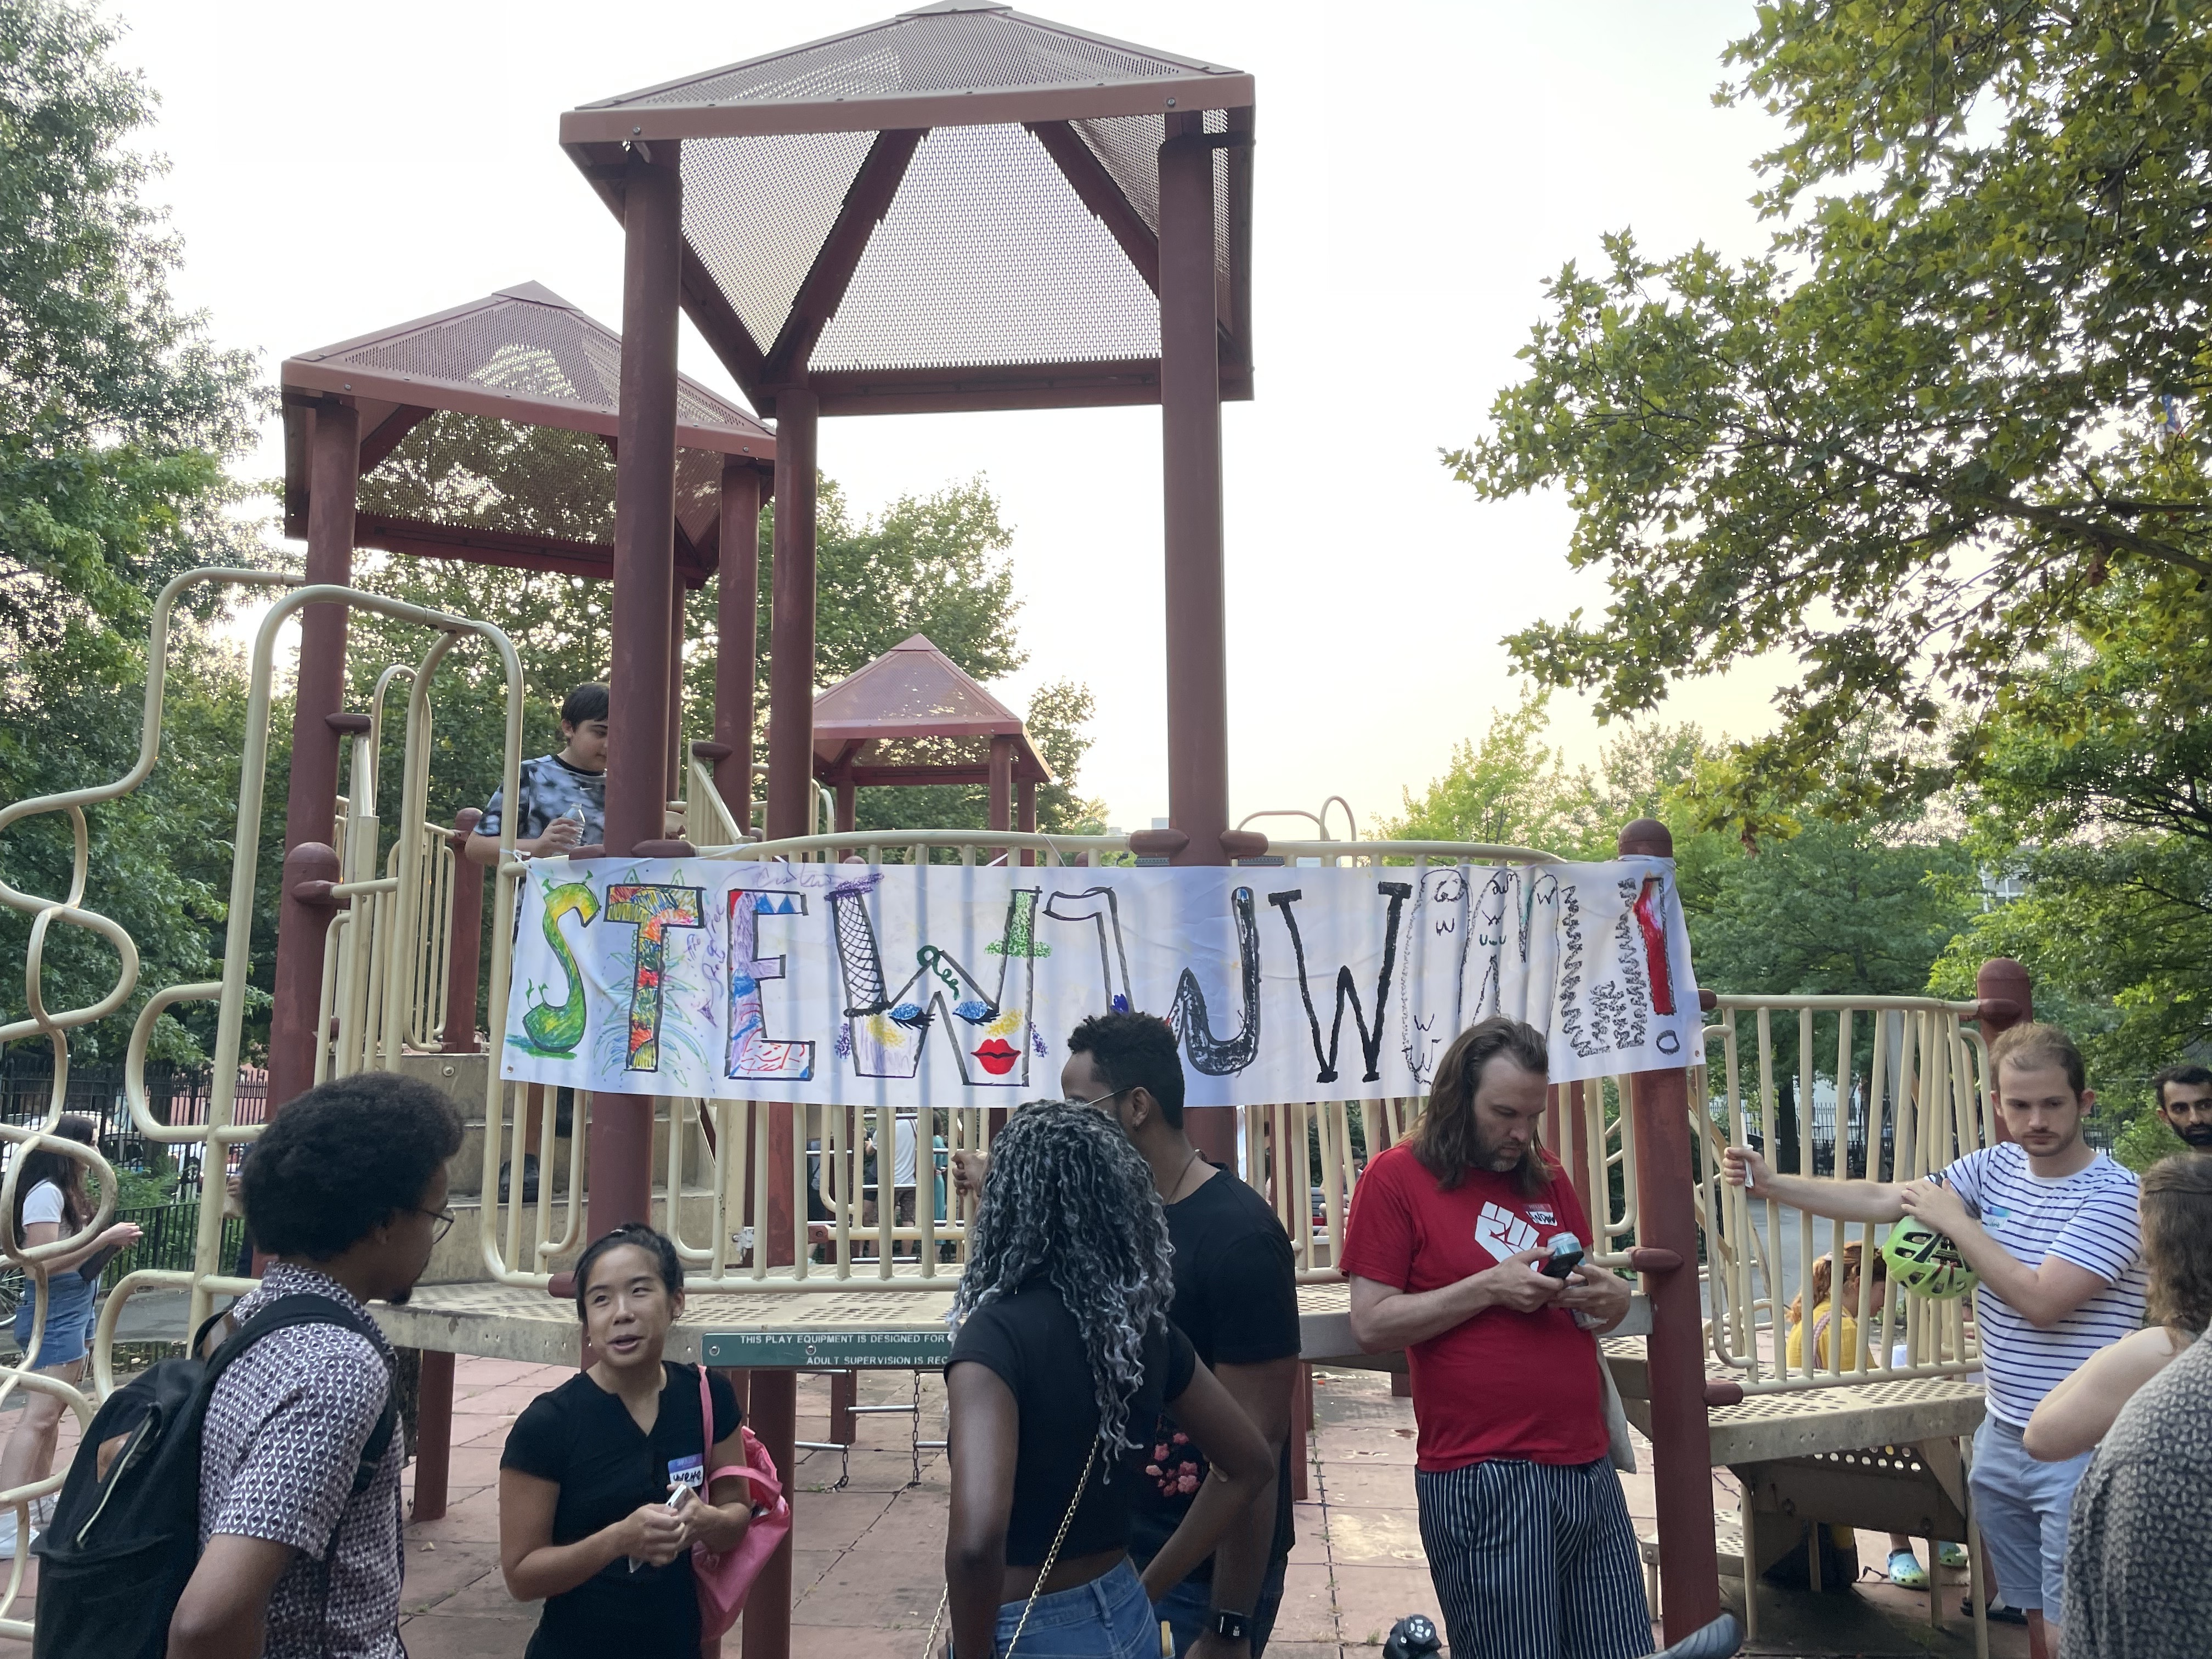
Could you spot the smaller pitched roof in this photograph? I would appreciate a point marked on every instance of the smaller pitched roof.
(486, 434)
(914, 716)
(523, 353)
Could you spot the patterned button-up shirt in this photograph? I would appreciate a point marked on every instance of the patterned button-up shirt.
(282, 1439)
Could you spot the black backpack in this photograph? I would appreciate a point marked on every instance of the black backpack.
(115, 1559)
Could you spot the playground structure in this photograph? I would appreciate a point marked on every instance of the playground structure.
(1127, 175)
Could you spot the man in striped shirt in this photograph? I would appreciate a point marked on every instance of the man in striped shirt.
(2049, 1224)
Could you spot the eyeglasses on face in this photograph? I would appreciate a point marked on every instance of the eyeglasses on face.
(444, 1218)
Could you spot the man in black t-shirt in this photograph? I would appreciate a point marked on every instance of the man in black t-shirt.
(1237, 1300)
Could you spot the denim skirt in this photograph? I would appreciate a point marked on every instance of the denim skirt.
(1108, 1618)
(70, 1315)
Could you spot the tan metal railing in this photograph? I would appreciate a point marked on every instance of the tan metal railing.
(966, 846)
(219, 1130)
(419, 884)
(1919, 1073)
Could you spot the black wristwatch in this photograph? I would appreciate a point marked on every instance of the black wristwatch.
(1233, 1626)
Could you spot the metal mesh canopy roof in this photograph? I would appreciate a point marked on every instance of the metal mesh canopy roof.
(954, 208)
(485, 436)
(914, 716)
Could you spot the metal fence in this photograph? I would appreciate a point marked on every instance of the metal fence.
(166, 1235)
(174, 1094)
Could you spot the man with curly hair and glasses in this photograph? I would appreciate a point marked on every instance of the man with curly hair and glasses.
(300, 1521)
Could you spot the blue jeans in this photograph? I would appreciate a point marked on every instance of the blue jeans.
(1107, 1618)
(2022, 1507)
(1184, 1609)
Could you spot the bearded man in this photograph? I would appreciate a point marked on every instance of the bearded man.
(2184, 1101)
(1528, 1535)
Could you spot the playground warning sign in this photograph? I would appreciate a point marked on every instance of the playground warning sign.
(936, 985)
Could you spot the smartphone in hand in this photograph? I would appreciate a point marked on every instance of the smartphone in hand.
(1566, 1255)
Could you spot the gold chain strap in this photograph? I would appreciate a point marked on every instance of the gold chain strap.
(1051, 1558)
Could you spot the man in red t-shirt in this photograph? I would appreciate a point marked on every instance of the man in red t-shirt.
(1527, 1534)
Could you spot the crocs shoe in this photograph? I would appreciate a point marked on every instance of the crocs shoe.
(1952, 1556)
(1906, 1570)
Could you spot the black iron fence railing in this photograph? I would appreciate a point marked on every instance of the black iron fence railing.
(167, 1235)
(176, 1095)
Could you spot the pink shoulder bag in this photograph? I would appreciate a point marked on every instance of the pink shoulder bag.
(724, 1580)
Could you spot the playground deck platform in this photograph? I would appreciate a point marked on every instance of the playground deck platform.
(528, 1326)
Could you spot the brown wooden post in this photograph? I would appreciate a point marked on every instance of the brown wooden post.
(1574, 1100)
(774, 1418)
(620, 1150)
(1002, 786)
(1190, 476)
(464, 940)
(333, 474)
(433, 1435)
(675, 632)
(848, 806)
(1301, 1397)
(737, 618)
(791, 776)
(844, 1394)
(1190, 479)
(1025, 814)
(1667, 1257)
(791, 618)
(2007, 996)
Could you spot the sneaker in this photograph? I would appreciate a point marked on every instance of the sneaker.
(1999, 1613)
(1952, 1556)
(1906, 1570)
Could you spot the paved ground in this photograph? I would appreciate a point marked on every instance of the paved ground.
(868, 1566)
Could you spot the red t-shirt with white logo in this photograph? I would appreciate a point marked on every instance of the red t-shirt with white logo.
(1504, 1385)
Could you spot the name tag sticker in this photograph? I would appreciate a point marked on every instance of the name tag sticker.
(688, 1471)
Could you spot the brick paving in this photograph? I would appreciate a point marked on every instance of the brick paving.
(867, 1567)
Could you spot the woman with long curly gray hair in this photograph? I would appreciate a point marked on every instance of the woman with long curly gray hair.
(1066, 1285)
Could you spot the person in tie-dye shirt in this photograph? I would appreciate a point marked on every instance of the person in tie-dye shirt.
(556, 788)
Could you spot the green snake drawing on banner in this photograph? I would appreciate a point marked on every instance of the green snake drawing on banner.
(551, 1028)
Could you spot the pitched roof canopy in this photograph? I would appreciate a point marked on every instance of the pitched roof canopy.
(486, 432)
(955, 208)
(914, 716)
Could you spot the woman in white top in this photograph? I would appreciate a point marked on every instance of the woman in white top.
(2175, 1207)
(50, 1204)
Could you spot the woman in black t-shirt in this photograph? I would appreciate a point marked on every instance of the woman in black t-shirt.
(600, 1499)
(1064, 1348)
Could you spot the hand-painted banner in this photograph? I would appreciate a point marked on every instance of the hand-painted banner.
(946, 986)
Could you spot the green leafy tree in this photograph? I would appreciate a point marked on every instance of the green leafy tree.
(158, 859)
(1909, 443)
(2093, 784)
(116, 416)
(1508, 789)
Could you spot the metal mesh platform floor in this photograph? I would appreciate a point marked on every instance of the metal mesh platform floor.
(514, 1321)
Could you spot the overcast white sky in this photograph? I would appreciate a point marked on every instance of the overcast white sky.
(1420, 169)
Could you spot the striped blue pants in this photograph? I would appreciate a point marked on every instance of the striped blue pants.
(1534, 1561)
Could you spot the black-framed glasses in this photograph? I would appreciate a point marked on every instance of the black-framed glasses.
(1102, 1099)
(444, 1219)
